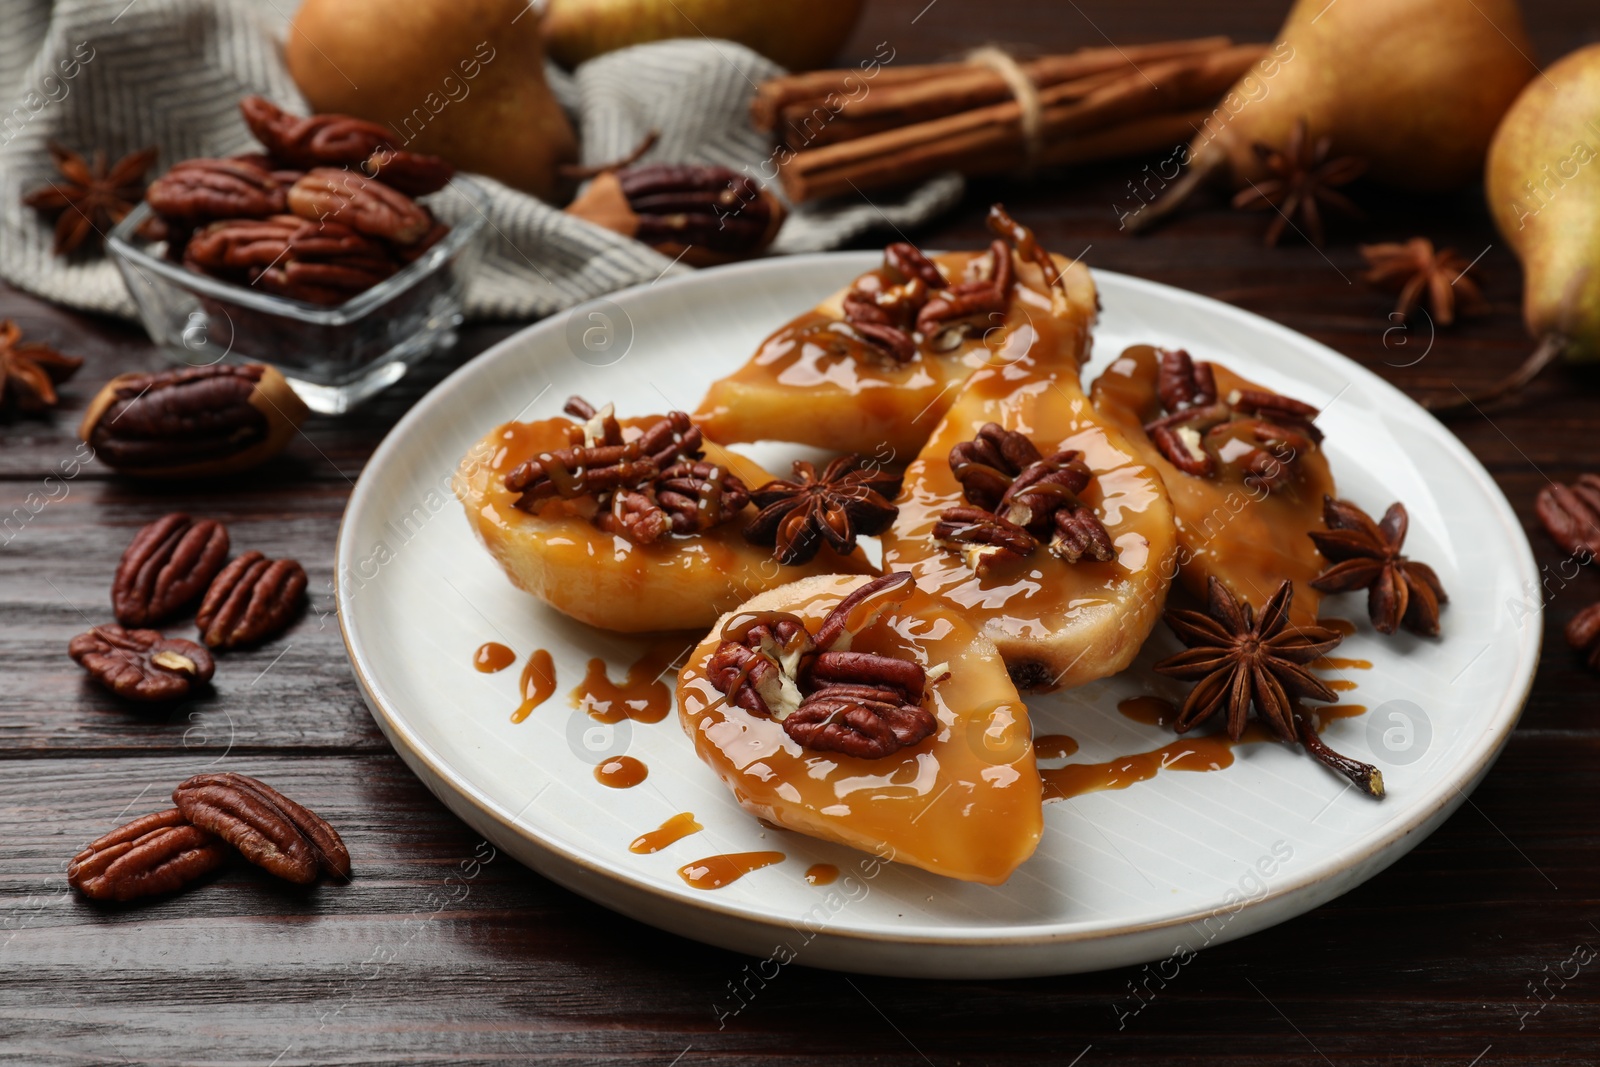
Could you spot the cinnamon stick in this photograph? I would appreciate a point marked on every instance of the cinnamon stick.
(972, 140)
(776, 93)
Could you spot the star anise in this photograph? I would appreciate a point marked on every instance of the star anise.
(1415, 270)
(1238, 660)
(91, 200)
(844, 502)
(1301, 184)
(1366, 555)
(29, 373)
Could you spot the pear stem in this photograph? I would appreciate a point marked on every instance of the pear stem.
(1544, 353)
(1365, 776)
(1201, 169)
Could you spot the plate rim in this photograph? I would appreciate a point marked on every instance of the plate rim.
(1441, 799)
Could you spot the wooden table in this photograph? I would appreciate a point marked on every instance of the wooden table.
(1431, 962)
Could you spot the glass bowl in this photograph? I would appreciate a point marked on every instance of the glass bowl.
(333, 357)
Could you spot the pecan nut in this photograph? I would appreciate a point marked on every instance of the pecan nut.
(1571, 514)
(158, 853)
(141, 664)
(1197, 424)
(1583, 634)
(327, 194)
(167, 566)
(194, 421)
(342, 140)
(268, 828)
(250, 600)
(324, 263)
(969, 299)
(197, 191)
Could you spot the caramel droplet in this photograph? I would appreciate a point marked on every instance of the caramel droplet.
(1054, 746)
(538, 682)
(676, 828)
(492, 656)
(714, 872)
(1339, 663)
(621, 772)
(643, 697)
(1152, 711)
(1210, 753)
(1343, 626)
(821, 873)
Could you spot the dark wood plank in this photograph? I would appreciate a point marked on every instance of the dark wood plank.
(1429, 963)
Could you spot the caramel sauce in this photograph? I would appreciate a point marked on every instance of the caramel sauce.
(1322, 716)
(821, 874)
(674, 829)
(1057, 624)
(1152, 711)
(642, 697)
(1248, 540)
(1340, 685)
(621, 772)
(1339, 663)
(538, 682)
(1209, 752)
(492, 656)
(1054, 746)
(560, 556)
(962, 803)
(714, 872)
(1340, 626)
(815, 381)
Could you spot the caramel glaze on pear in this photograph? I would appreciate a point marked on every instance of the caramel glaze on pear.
(1414, 87)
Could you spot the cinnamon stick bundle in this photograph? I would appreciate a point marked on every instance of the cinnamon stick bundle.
(991, 138)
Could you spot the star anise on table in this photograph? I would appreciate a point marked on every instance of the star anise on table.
(29, 373)
(90, 199)
(842, 503)
(1416, 271)
(1366, 555)
(1239, 661)
(1302, 184)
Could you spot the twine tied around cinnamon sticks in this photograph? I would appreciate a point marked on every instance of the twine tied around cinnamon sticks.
(847, 132)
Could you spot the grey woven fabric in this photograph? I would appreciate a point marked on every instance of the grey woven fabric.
(120, 76)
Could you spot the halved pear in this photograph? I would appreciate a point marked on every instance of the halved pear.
(1057, 624)
(964, 802)
(817, 382)
(561, 557)
(1246, 534)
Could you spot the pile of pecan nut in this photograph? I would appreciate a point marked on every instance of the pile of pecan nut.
(215, 815)
(324, 212)
(908, 302)
(1195, 417)
(828, 697)
(169, 566)
(1017, 499)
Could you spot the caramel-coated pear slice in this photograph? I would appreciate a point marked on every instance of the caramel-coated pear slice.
(1057, 624)
(816, 382)
(561, 557)
(1247, 534)
(963, 802)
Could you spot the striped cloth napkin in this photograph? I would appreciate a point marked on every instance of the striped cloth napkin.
(171, 72)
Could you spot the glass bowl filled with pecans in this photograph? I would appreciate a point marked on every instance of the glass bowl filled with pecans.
(325, 254)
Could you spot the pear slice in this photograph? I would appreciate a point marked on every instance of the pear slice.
(605, 580)
(1057, 624)
(1247, 532)
(818, 382)
(964, 802)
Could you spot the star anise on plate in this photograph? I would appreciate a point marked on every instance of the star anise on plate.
(1366, 555)
(842, 503)
(1416, 271)
(90, 199)
(1302, 184)
(29, 373)
(1239, 661)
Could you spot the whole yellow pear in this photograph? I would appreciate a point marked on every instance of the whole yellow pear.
(462, 79)
(1543, 185)
(797, 34)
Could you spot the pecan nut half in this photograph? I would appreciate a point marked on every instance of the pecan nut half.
(703, 215)
(141, 664)
(158, 853)
(194, 421)
(1571, 514)
(166, 567)
(268, 828)
(250, 600)
(197, 191)
(320, 263)
(327, 194)
(342, 140)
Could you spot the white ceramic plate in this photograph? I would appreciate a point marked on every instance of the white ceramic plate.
(1160, 869)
